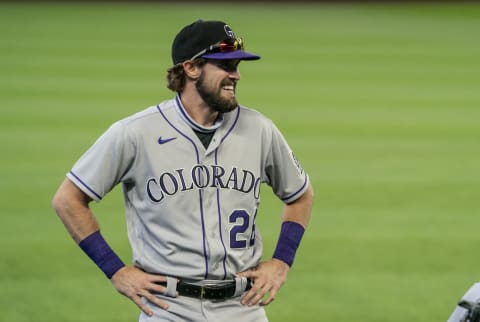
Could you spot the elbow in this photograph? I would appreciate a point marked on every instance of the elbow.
(309, 195)
(310, 192)
(58, 202)
(65, 198)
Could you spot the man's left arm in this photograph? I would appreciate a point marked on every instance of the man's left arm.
(269, 276)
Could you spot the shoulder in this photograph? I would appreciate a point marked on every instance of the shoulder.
(253, 116)
(151, 113)
(140, 123)
(146, 118)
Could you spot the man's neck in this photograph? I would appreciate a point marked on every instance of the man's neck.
(198, 110)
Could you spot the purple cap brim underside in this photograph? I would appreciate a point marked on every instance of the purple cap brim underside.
(237, 54)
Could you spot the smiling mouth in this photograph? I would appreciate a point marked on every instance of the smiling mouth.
(229, 89)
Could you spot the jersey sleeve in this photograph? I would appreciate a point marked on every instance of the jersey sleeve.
(283, 171)
(105, 164)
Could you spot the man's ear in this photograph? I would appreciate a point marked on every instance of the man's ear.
(191, 69)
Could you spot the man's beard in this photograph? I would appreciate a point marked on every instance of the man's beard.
(213, 99)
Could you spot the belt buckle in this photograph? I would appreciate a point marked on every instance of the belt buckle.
(209, 291)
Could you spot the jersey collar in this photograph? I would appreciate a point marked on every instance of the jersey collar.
(191, 122)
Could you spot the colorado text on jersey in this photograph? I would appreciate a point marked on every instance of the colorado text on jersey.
(200, 177)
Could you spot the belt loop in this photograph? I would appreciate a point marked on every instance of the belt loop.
(241, 285)
(171, 286)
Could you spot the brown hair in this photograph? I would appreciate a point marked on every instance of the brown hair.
(176, 75)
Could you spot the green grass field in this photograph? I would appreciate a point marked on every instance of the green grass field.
(381, 103)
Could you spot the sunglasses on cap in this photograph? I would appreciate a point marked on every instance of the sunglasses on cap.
(227, 45)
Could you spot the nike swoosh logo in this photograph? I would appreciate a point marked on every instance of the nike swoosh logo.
(163, 141)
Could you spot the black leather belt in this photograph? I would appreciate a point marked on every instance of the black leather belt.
(212, 291)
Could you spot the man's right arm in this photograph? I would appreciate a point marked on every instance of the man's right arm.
(71, 205)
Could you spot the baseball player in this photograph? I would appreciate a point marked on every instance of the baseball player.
(191, 170)
(468, 308)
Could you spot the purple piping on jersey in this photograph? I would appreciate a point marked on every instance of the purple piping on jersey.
(185, 116)
(194, 125)
(233, 125)
(86, 186)
(220, 226)
(199, 193)
(218, 199)
(296, 192)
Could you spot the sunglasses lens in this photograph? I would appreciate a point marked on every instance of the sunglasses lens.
(231, 45)
(223, 46)
(240, 43)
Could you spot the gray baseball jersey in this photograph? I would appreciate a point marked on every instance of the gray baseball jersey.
(191, 210)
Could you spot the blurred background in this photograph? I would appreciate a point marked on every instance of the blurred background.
(380, 103)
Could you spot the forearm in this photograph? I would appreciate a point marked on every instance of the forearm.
(270, 275)
(300, 210)
(71, 206)
(295, 219)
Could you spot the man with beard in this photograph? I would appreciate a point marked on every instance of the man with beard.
(191, 170)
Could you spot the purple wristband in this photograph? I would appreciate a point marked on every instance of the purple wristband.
(288, 241)
(101, 254)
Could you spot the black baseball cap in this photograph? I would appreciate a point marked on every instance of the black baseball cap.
(202, 39)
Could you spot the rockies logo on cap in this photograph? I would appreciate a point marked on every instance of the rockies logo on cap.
(229, 31)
